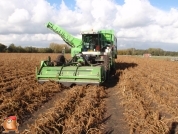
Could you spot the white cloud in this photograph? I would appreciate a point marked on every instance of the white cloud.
(19, 16)
(121, 45)
(134, 13)
(166, 18)
(136, 20)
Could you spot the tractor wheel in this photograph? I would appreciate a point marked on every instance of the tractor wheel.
(48, 62)
(106, 66)
(60, 60)
(113, 70)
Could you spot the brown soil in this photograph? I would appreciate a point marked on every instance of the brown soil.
(44, 108)
(141, 98)
(115, 120)
(116, 123)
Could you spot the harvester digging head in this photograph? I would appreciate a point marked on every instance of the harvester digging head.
(70, 73)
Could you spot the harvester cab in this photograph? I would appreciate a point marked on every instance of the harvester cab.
(92, 59)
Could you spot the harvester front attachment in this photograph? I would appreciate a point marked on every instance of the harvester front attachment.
(69, 75)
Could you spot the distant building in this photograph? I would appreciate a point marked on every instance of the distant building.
(147, 55)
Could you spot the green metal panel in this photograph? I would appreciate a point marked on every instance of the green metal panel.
(107, 35)
(71, 74)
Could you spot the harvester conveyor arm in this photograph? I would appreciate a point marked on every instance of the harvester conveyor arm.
(68, 38)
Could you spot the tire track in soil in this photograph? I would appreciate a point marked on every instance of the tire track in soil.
(115, 123)
(44, 108)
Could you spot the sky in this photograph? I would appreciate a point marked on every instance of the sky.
(139, 24)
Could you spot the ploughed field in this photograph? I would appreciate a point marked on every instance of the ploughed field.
(146, 90)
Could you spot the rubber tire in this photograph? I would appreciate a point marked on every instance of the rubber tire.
(106, 66)
(60, 60)
(113, 70)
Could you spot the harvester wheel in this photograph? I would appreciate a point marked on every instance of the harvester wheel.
(113, 70)
(106, 66)
(60, 60)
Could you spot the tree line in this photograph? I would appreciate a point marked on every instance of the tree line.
(152, 51)
(53, 48)
(58, 48)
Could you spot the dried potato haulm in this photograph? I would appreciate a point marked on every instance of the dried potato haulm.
(20, 94)
(147, 87)
(80, 111)
(149, 95)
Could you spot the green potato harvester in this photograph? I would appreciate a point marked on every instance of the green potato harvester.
(92, 59)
